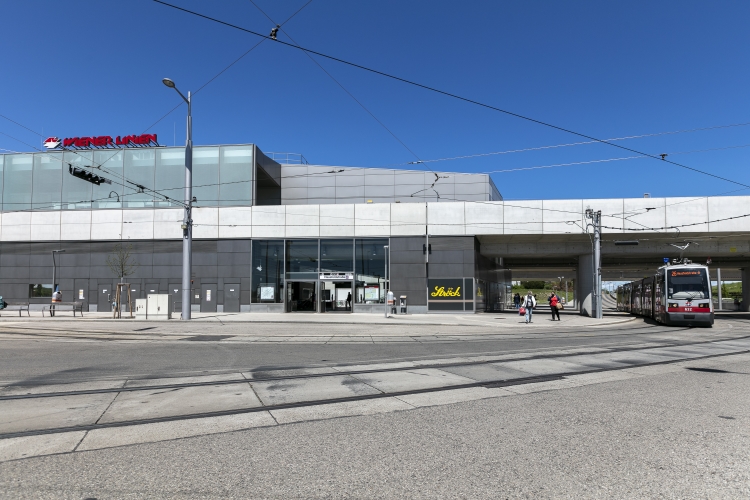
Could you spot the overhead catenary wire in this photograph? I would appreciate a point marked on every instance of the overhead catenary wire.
(456, 96)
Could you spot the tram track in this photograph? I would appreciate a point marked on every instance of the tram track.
(491, 384)
(595, 350)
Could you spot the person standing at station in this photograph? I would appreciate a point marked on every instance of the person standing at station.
(553, 301)
(529, 303)
(349, 302)
(56, 299)
(517, 300)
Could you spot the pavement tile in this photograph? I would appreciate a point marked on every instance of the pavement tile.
(544, 366)
(17, 390)
(183, 380)
(335, 410)
(33, 446)
(135, 405)
(20, 415)
(453, 396)
(162, 431)
(374, 366)
(261, 373)
(312, 389)
(409, 380)
(551, 385)
(486, 372)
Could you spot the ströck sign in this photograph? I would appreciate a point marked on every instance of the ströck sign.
(102, 141)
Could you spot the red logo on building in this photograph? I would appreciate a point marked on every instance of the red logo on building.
(51, 142)
(102, 141)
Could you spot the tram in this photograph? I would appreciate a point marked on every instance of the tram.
(677, 294)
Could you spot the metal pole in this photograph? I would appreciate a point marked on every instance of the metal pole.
(718, 287)
(597, 265)
(187, 223)
(385, 287)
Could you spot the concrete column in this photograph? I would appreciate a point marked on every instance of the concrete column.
(585, 284)
(745, 305)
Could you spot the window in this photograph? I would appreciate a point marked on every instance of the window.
(170, 176)
(268, 267)
(38, 290)
(369, 266)
(17, 179)
(236, 176)
(205, 176)
(77, 193)
(109, 195)
(139, 169)
(336, 256)
(302, 259)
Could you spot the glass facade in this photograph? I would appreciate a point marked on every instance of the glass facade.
(370, 263)
(336, 256)
(222, 176)
(302, 259)
(268, 269)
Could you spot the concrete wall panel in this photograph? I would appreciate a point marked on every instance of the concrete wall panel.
(45, 226)
(484, 218)
(235, 222)
(337, 220)
(692, 213)
(75, 225)
(17, 226)
(612, 213)
(643, 213)
(106, 224)
(206, 222)
(137, 224)
(523, 217)
(723, 207)
(562, 216)
(446, 218)
(408, 219)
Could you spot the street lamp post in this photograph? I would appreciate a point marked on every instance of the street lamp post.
(187, 222)
(385, 287)
(54, 275)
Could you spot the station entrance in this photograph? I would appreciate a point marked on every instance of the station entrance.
(301, 296)
(336, 296)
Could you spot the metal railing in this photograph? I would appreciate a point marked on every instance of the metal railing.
(288, 158)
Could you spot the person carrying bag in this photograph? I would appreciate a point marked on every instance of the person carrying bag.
(529, 303)
(554, 305)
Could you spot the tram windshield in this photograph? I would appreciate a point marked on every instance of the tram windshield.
(688, 284)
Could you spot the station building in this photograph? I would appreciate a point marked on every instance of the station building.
(271, 232)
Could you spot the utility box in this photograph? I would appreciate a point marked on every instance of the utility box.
(158, 306)
(402, 304)
(140, 309)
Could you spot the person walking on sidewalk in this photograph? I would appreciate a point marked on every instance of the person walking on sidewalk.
(553, 301)
(517, 300)
(529, 303)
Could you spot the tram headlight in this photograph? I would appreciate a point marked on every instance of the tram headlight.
(705, 304)
(673, 305)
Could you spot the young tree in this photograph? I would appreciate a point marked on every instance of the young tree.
(121, 261)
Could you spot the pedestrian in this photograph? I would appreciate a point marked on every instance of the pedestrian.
(529, 304)
(349, 302)
(553, 301)
(517, 300)
(56, 298)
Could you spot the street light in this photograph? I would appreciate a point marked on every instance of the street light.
(54, 276)
(385, 287)
(187, 222)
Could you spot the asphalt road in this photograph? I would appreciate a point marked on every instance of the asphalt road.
(71, 353)
(682, 434)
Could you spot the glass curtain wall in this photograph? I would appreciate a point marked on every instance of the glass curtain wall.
(139, 169)
(302, 260)
(169, 178)
(77, 193)
(369, 264)
(268, 272)
(109, 195)
(336, 256)
(47, 178)
(17, 177)
(236, 176)
(205, 176)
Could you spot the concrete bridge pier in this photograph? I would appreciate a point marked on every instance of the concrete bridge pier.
(745, 305)
(585, 284)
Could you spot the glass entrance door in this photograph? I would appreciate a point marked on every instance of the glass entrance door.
(336, 296)
(301, 296)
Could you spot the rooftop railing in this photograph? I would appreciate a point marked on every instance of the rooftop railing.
(288, 158)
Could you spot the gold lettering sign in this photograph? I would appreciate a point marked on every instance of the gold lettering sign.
(440, 291)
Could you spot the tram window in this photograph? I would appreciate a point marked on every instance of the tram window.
(692, 286)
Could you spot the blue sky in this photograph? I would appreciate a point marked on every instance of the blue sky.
(606, 69)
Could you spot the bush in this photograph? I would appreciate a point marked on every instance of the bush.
(533, 285)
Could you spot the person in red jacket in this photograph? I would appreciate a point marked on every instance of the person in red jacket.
(553, 301)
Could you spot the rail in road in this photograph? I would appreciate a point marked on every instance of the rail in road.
(107, 404)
